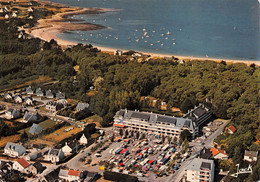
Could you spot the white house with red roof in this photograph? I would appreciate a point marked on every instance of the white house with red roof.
(231, 129)
(74, 175)
(21, 165)
(219, 154)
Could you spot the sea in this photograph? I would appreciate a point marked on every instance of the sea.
(226, 29)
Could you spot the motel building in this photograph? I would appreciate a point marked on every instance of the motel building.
(154, 123)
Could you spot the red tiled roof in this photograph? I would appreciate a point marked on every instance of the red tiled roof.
(215, 151)
(23, 162)
(232, 128)
(73, 173)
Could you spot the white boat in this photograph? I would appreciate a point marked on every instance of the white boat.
(168, 33)
(137, 40)
(166, 38)
(144, 29)
(151, 44)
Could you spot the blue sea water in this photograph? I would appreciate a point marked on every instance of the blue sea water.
(228, 29)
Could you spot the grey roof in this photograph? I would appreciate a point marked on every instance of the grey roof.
(54, 151)
(27, 98)
(205, 153)
(199, 111)
(49, 93)
(73, 144)
(82, 106)
(53, 176)
(29, 89)
(155, 118)
(60, 95)
(205, 165)
(35, 129)
(11, 110)
(198, 164)
(13, 146)
(38, 166)
(39, 91)
(6, 94)
(251, 153)
(15, 97)
(63, 173)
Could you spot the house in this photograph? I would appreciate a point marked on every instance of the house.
(6, 16)
(49, 94)
(83, 140)
(231, 129)
(12, 113)
(118, 53)
(54, 155)
(8, 96)
(39, 92)
(60, 95)
(64, 102)
(70, 147)
(81, 106)
(250, 156)
(199, 170)
(28, 101)
(29, 90)
(14, 15)
(21, 165)
(36, 168)
(33, 156)
(35, 129)
(63, 174)
(29, 117)
(219, 154)
(5, 170)
(74, 175)
(30, 9)
(205, 153)
(30, 17)
(54, 106)
(13, 149)
(18, 99)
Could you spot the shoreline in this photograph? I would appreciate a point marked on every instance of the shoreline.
(50, 28)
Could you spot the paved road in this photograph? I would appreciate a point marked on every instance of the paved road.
(208, 143)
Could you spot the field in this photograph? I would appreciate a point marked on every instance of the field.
(93, 119)
(13, 138)
(60, 134)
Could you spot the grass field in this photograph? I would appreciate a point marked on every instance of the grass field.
(13, 138)
(60, 134)
(93, 119)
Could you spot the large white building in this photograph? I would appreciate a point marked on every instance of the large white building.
(154, 123)
(200, 170)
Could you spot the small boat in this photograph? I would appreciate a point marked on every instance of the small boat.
(154, 30)
(161, 44)
(158, 41)
(137, 40)
(151, 44)
(147, 36)
(168, 33)
(162, 34)
(166, 38)
(174, 39)
(173, 43)
(144, 29)
(145, 41)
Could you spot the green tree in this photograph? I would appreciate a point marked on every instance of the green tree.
(185, 134)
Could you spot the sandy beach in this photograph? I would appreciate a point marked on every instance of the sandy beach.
(48, 29)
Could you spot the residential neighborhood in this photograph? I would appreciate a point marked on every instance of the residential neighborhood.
(141, 144)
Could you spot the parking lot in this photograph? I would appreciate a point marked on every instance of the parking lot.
(148, 158)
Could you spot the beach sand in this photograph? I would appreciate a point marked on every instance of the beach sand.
(48, 29)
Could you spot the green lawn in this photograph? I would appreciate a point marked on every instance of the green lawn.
(93, 119)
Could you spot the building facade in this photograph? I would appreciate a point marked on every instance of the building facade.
(154, 123)
(200, 170)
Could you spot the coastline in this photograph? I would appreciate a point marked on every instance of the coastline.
(49, 28)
